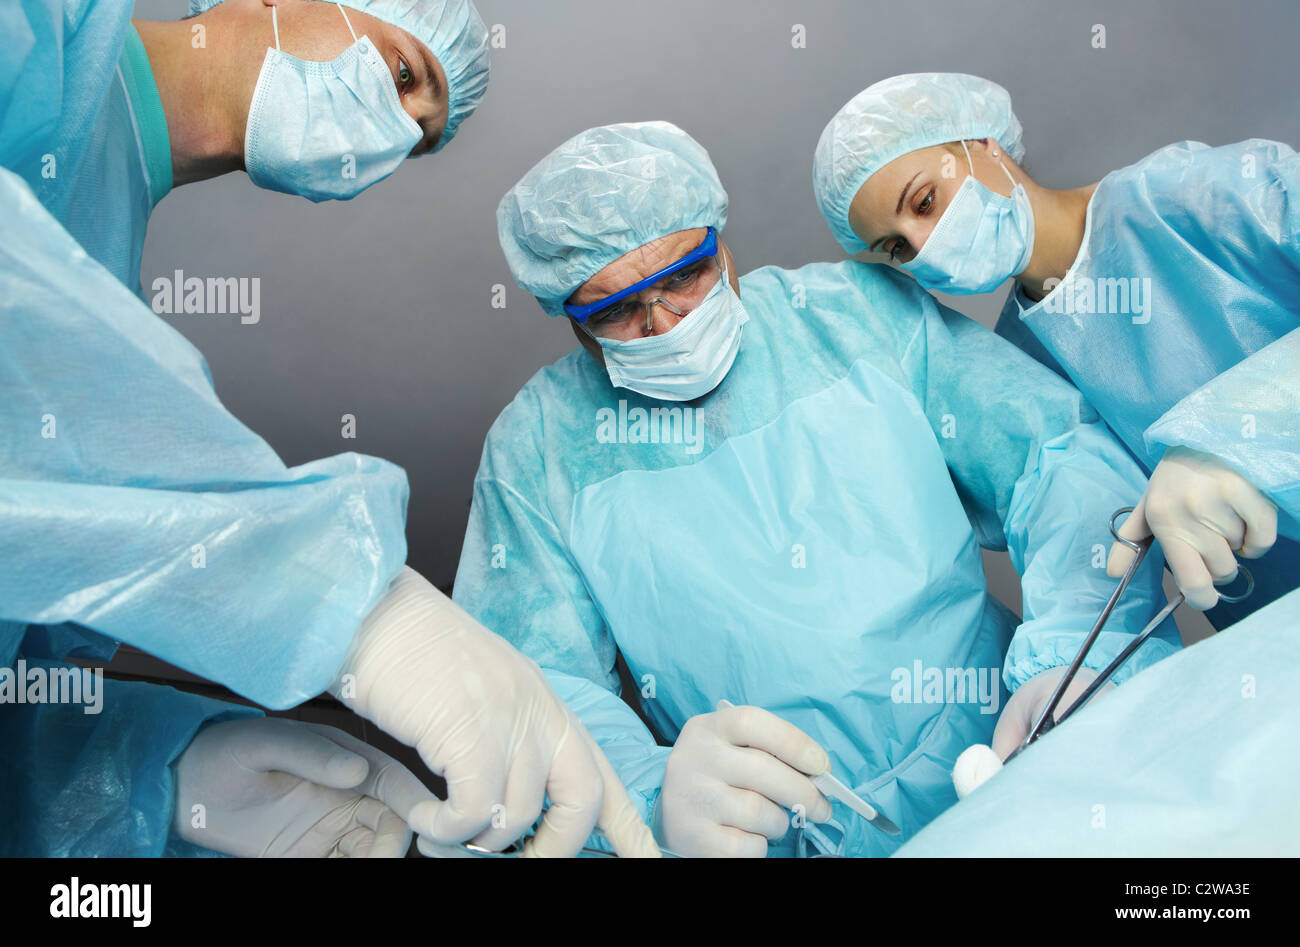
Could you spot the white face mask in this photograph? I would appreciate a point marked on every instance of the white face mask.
(982, 239)
(687, 361)
(326, 130)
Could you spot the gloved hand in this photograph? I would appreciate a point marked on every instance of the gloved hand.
(1200, 510)
(484, 717)
(1030, 700)
(728, 776)
(279, 788)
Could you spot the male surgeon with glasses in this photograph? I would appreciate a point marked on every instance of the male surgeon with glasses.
(785, 588)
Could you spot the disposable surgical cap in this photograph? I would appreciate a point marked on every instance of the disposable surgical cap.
(895, 117)
(454, 33)
(600, 195)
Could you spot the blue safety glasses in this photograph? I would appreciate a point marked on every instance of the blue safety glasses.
(708, 248)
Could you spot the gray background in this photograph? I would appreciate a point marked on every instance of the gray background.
(380, 307)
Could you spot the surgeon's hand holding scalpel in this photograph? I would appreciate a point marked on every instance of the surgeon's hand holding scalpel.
(730, 778)
(1201, 511)
(483, 716)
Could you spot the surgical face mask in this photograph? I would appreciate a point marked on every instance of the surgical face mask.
(687, 361)
(326, 130)
(981, 240)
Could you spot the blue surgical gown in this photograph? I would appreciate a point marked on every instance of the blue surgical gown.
(1193, 758)
(93, 784)
(117, 455)
(1180, 322)
(131, 502)
(806, 538)
(82, 123)
(134, 505)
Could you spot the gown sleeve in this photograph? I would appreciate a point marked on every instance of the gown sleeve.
(135, 505)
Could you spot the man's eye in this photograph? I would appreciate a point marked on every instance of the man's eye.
(612, 315)
(404, 75)
(684, 278)
(894, 249)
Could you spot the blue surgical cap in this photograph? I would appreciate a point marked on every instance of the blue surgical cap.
(600, 195)
(896, 117)
(454, 33)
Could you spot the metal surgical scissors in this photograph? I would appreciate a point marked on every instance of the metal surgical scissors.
(1047, 720)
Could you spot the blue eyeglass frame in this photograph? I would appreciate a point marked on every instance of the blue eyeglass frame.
(708, 247)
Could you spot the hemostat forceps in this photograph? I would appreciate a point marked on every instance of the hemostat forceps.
(1047, 720)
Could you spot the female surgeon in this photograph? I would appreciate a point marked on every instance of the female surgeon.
(1168, 292)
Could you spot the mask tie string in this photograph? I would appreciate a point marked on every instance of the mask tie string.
(1014, 184)
(345, 20)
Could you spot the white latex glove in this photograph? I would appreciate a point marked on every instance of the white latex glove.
(280, 788)
(728, 777)
(1030, 700)
(484, 717)
(1200, 511)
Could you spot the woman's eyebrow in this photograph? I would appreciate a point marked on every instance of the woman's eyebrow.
(903, 196)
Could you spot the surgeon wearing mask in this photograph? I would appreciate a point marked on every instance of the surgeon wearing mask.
(107, 114)
(137, 509)
(770, 491)
(1168, 293)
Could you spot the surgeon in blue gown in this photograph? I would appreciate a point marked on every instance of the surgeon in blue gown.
(773, 491)
(1168, 293)
(103, 115)
(135, 508)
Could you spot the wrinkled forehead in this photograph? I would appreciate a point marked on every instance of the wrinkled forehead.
(639, 264)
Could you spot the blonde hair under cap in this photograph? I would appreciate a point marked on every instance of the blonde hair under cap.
(895, 117)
